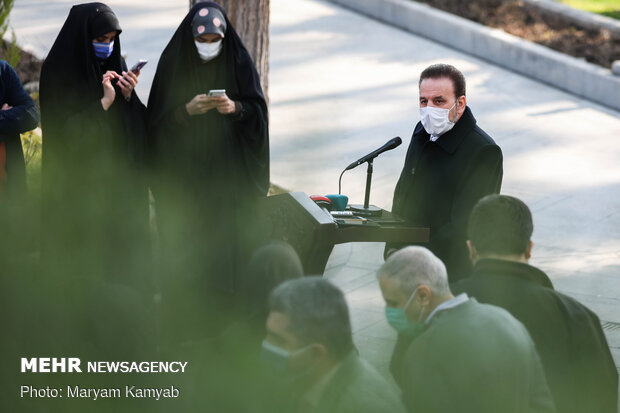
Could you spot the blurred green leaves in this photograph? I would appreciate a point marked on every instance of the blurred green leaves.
(5, 10)
(11, 52)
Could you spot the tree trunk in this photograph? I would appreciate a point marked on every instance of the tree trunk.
(251, 21)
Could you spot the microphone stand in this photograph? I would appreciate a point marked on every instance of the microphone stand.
(368, 180)
(366, 209)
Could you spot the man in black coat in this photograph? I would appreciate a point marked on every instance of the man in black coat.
(18, 114)
(579, 367)
(451, 163)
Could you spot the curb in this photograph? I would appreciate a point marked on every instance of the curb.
(564, 72)
(583, 18)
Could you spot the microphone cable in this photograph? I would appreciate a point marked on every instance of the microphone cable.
(340, 182)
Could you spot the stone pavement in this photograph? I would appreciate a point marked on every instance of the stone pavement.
(342, 84)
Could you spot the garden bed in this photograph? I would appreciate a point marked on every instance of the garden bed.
(600, 47)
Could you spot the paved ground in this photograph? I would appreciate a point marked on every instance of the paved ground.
(342, 84)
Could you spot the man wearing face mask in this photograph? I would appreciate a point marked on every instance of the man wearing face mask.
(451, 163)
(454, 354)
(310, 354)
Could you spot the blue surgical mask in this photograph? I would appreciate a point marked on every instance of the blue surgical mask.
(274, 357)
(397, 318)
(103, 50)
(276, 363)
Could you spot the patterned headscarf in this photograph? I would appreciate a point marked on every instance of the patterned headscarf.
(208, 20)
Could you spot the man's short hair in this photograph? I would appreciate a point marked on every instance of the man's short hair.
(270, 265)
(440, 70)
(500, 225)
(317, 311)
(412, 266)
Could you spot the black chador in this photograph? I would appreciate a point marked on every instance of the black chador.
(210, 168)
(95, 204)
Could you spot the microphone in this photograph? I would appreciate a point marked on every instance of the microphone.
(391, 144)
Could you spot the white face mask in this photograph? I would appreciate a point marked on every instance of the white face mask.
(436, 121)
(209, 51)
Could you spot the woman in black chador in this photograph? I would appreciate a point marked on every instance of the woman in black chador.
(95, 200)
(211, 154)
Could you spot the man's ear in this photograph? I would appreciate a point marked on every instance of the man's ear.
(473, 254)
(528, 250)
(424, 295)
(318, 352)
(462, 103)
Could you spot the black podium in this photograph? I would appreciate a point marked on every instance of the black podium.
(296, 219)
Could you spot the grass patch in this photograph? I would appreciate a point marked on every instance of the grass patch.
(609, 8)
(31, 145)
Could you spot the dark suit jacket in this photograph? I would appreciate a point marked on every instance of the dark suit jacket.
(442, 181)
(580, 370)
(358, 388)
(474, 358)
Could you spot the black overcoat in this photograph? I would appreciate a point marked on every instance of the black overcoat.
(15, 206)
(579, 367)
(442, 181)
(23, 116)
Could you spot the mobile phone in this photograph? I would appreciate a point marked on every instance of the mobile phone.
(139, 65)
(216, 92)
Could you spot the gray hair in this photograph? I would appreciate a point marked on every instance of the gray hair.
(317, 311)
(412, 266)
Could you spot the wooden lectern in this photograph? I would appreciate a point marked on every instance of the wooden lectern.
(293, 217)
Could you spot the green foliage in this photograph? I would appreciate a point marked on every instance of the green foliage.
(32, 145)
(5, 10)
(609, 8)
(12, 53)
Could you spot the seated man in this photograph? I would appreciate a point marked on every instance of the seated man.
(309, 348)
(462, 356)
(578, 365)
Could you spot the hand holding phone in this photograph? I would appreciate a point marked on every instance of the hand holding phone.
(138, 66)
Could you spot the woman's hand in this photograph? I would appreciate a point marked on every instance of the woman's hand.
(223, 104)
(199, 105)
(108, 89)
(127, 83)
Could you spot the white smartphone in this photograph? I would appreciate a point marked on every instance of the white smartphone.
(139, 65)
(216, 92)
